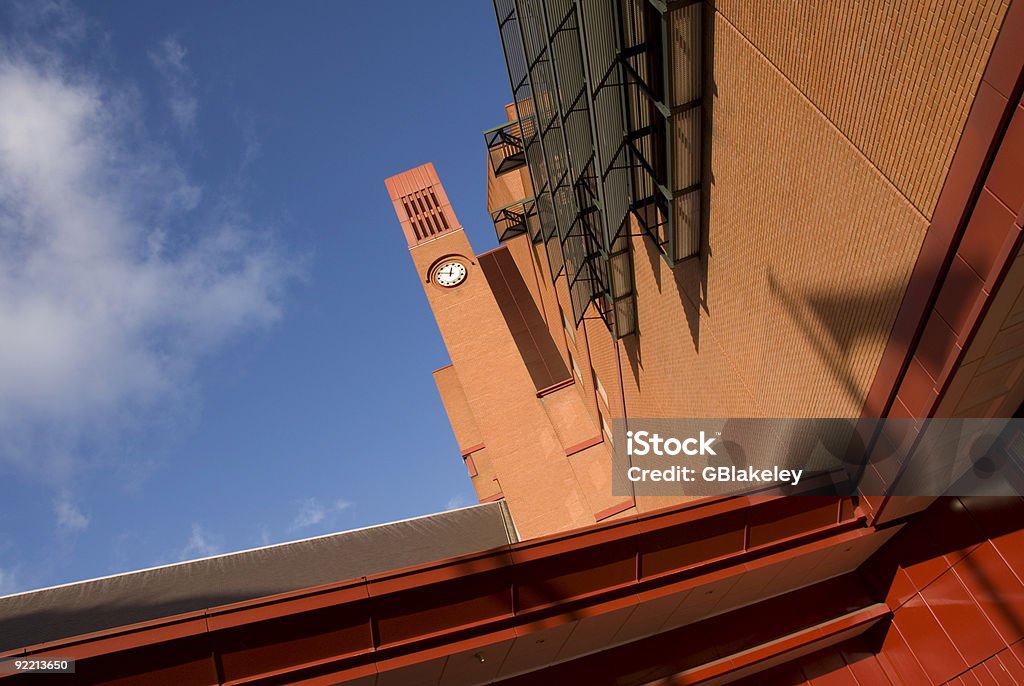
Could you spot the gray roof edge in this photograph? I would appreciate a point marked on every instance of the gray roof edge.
(48, 614)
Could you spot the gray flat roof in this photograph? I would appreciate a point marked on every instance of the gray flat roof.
(86, 606)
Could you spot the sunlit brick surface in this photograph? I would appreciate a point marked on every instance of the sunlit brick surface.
(833, 127)
(897, 78)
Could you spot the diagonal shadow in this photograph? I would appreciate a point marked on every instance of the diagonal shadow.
(825, 319)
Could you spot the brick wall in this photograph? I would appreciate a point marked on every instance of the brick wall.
(833, 127)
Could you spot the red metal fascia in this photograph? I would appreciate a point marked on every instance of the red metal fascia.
(727, 635)
(526, 624)
(983, 132)
(996, 99)
(650, 588)
(513, 568)
(124, 638)
(262, 609)
(782, 649)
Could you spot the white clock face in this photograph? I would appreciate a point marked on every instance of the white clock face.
(450, 274)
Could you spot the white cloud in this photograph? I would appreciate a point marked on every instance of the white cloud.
(200, 544)
(8, 584)
(313, 512)
(93, 307)
(64, 23)
(69, 516)
(456, 501)
(252, 147)
(169, 59)
(112, 285)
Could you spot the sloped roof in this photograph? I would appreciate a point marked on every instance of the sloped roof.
(45, 615)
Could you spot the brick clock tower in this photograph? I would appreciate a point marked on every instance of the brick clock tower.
(519, 418)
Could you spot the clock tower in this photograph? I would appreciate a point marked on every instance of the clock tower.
(522, 428)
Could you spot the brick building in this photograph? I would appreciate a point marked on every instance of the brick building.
(704, 212)
(717, 209)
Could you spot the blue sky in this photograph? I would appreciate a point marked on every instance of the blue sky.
(211, 336)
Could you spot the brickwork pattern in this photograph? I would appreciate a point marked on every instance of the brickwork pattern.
(824, 179)
(811, 246)
(897, 78)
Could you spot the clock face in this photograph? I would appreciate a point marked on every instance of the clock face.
(450, 274)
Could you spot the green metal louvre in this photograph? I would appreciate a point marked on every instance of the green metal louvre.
(506, 147)
(614, 90)
(515, 219)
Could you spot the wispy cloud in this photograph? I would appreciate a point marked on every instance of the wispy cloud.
(169, 59)
(312, 512)
(8, 584)
(114, 281)
(69, 516)
(456, 501)
(200, 544)
(252, 147)
(62, 21)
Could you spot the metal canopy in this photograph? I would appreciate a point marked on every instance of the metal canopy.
(506, 145)
(607, 96)
(517, 218)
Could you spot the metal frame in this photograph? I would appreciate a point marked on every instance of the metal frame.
(506, 144)
(593, 75)
(515, 219)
